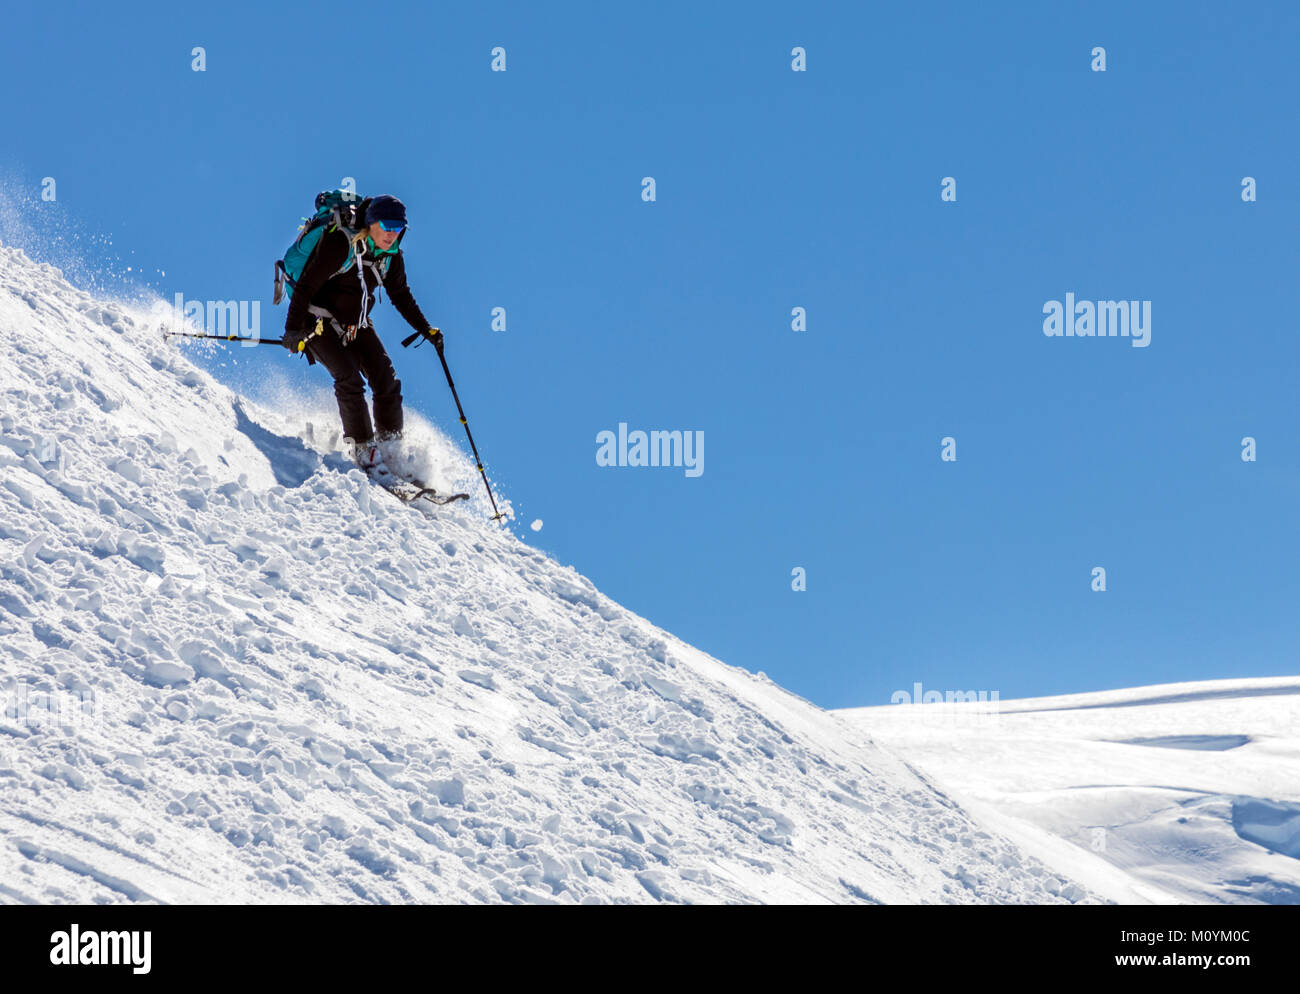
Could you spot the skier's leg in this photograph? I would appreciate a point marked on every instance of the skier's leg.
(349, 389)
(384, 384)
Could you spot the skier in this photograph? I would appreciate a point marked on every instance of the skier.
(334, 294)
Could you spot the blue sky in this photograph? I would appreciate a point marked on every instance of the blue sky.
(775, 189)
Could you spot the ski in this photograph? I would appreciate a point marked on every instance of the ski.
(431, 495)
(409, 491)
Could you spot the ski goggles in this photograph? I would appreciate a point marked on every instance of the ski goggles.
(393, 226)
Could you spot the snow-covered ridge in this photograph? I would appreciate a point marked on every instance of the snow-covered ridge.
(233, 671)
(1185, 792)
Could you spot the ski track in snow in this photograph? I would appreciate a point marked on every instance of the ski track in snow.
(234, 671)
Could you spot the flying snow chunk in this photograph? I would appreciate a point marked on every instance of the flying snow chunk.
(536, 525)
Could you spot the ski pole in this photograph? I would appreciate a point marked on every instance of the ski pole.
(224, 338)
(429, 336)
(302, 345)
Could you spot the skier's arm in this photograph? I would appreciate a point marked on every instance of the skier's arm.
(324, 263)
(400, 294)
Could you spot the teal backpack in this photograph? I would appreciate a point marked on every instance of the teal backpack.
(334, 209)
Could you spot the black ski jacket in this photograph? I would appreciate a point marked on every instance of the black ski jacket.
(341, 294)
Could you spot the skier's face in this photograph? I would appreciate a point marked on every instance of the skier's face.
(384, 239)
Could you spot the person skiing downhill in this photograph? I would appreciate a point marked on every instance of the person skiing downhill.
(330, 313)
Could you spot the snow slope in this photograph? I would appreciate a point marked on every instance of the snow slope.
(1177, 793)
(232, 671)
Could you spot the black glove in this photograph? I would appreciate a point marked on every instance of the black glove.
(296, 341)
(428, 335)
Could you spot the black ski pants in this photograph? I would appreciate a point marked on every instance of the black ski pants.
(363, 360)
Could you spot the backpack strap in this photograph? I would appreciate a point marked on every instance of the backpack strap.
(378, 264)
(359, 249)
(356, 253)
